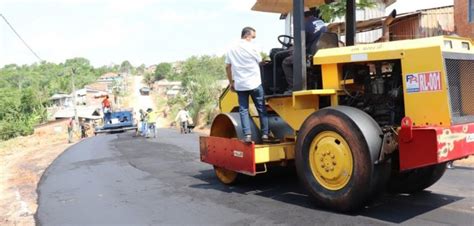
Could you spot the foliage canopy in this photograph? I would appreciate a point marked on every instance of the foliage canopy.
(25, 91)
(336, 9)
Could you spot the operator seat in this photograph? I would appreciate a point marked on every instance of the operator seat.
(273, 79)
(326, 41)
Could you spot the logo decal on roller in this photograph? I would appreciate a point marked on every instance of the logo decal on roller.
(423, 82)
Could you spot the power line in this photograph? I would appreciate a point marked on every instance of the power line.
(18, 35)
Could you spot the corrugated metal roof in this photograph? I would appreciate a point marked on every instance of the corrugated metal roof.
(429, 17)
(367, 25)
(428, 23)
(59, 96)
(82, 112)
(438, 21)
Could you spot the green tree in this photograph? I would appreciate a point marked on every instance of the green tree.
(200, 76)
(149, 79)
(163, 70)
(141, 69)
(126, 67)
(25, 91)
(336, 9)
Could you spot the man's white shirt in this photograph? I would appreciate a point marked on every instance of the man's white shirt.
(244, 59)
(182, 116)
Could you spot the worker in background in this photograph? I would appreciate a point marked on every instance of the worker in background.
(314, 27)
(243, 71)
(84, 127)
(151, 118)
(106, 108)
(182, 117)
(142, 122)
(70, 126)
(190, 125)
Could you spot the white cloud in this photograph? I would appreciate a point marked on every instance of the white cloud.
(79, 1)
(106, 31)
(240, 6)
(173, 16)
(116, 6)
(124, 6)
(54, 46)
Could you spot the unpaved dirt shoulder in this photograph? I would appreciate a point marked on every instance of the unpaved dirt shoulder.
(23, 161)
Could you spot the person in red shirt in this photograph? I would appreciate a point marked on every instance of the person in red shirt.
(106, 109)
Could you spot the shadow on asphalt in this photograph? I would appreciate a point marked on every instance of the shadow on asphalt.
(282, 185)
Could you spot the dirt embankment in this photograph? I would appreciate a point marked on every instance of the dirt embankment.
(22, 162)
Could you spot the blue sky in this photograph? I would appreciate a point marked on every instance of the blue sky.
(141, 31)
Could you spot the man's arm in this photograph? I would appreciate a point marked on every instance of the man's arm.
(228, 70)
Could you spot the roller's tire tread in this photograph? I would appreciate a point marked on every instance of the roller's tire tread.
(360, 185)
(240, 178)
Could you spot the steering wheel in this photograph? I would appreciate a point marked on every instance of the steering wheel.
(281, 40)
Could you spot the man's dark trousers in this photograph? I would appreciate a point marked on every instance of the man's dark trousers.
(259, 101)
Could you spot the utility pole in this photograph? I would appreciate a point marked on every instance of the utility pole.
(74, 104)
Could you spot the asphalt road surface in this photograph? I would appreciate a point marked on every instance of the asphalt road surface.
(120, 179)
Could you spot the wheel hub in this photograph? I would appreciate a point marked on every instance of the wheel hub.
(331, 160)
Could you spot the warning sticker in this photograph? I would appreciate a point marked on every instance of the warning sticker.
(238, 153)
(423, 82)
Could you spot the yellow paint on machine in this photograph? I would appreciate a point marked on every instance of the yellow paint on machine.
(274, 152)
(416, 56)
(309, 99)
(387, 50)
(424, 107)
(284, 108)
(228, 101)
(427, 107)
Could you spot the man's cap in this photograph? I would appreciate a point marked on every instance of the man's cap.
(306, 9)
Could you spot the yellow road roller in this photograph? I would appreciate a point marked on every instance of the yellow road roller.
(360, 119)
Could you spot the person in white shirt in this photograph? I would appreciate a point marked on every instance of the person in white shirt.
(183, 117)
(243, 71)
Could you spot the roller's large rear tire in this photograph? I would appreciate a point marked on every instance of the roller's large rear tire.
(334, 158)
(416, 180)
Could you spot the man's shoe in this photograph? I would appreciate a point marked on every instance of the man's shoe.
(270, 139)
(248, 139)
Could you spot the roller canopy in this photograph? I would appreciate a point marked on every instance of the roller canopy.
(283, 6)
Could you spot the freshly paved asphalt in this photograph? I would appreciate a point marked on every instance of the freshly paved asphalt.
(120, 179)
